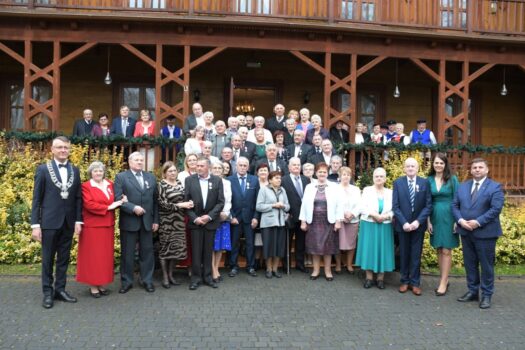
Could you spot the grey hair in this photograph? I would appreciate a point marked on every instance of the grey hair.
(96, 165)
(135, 154)
(202, 158)
(294, 159)
(336, 157)
(379, 170)
(316, 117)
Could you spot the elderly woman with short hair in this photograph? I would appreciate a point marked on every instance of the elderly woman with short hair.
(95, 246)
(317, 129)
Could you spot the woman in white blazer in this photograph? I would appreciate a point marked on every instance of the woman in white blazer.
(375, 248)
(321, 216)
(222, 240)
(351, 196)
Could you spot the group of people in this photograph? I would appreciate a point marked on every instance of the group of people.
(286, 186)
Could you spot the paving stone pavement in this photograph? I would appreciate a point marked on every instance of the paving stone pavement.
(248, 313)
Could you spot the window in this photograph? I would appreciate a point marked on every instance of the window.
(367, 9)
(453, 13)
(264, 7)
(138, 97)
(154, 4)
(369, 108)
(41, 93)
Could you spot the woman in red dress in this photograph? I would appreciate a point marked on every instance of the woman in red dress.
(95, 246)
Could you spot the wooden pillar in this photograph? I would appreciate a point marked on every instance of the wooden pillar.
(56, 86)
(442, 114)
(28, 91)
(186, 80)
(327, 91)
(158, 87)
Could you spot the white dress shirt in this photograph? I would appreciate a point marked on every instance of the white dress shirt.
(480, 182)
(204, 189)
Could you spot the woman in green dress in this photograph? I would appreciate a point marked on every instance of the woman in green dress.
(441, 222)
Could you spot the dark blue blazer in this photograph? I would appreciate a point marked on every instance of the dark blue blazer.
(485, 209)
(401, 203)
(116, 126)
(243, 206)
(165, 132)
(49, 210)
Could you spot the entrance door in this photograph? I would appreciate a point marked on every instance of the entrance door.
(254, 97)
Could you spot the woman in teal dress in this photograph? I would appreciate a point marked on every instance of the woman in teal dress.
(441, 222)
(375, 244)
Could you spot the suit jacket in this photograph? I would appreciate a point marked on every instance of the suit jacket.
(288, 138)
(218, 143)
(243, 205)
(336, 138)
(311, 132)
(316, 158)
(95, 206)
(116, 126)
(273, 125)
(97, 130)
(485, 209)
(303, 153)
(401, 203)
(165, 132)
(281, 165)
(49, 210)
(271, 217)
(127, 184)
(81, 128)
(190, 123)
(214, 202)
(293, 197)
(247, 151)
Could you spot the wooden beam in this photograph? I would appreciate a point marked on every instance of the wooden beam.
(442, 113)
(186, 79)
(370, 65)
(28, 93)
(55, 115)
(12, 53)
(327, 91)
(158, 86)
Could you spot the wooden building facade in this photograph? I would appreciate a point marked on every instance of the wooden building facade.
(340, 58)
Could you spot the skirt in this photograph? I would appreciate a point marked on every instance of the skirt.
(222, 238)
(348, 235)
(274, 241)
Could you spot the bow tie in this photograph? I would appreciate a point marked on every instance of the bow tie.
(62, 166)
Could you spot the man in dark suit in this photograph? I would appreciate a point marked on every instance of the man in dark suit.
(244, 217)
(123, 125)
(298, 148)
(412, 204)
(191, 121)
(171, 132)
(207, 193)
(240, 147)
(271, 159)
(85, 126)
(338, 134)
(476, 208)
(327, 151)
(294, 185)
(219, 139)
(139, 217)
(289, 132)
(278, 121)
(55, 214)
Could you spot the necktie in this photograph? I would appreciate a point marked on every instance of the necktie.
(272, 166)
(298, 186)
(140, 179)
(474, 193)
(318, 150)
(243, 184)
(412, 193)
(124, 126)
(236, 155)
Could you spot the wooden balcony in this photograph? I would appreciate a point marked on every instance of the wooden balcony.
(463, 17)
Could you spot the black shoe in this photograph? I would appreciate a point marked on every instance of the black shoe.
(485, 303)
(329, 279)
(65, 296)
(252, 272)
(149, 287)
(439, 294)
(124, 289)
(313, 278)
(104, 292)
(278, 274)
(302, 269)
(380, 284)
(234, 272)
(194, 286)
(174, 282)
(166, 284)
(368, 284)
(212, 284)
(47, 302)
(220, 278)
(95, 295)
(350, 272)
(337, 272)
(469, 296)
(268, 274)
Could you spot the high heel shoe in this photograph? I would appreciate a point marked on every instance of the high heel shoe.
(95, 295)
(313, 278)
(368, 284)
(166, 284)
(103, 291)
(439, 294)
(173, 282)
(329, 279)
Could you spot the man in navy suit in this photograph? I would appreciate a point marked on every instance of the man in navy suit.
(172, 132)
(412, 204)
(56, 213)
(476, 208)
(245, 188)
(123, 125)
(298, 148)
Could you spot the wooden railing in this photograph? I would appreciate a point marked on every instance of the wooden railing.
(507, 169)
(469, 16)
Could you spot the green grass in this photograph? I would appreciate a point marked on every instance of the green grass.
(29, 269)
(504, 270)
